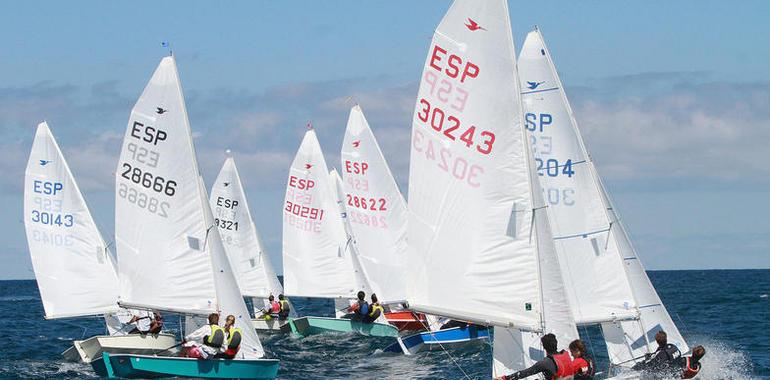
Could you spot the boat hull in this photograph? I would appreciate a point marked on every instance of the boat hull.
(406, 320)
(273, 325)
(305, 326)
(146, 366)
(91, 349)
(429, 340)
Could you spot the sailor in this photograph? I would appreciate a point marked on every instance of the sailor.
(690, 365)
(360, 309)
(660, 362)
(234, 336)
(556, 364)
(142, 320)
(207, 340)
(375, 310)
(583, 365)
(284, 308)
(272, 310)
(156, 325)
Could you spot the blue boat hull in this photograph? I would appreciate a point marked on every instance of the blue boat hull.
(147, 366)
(456, 336)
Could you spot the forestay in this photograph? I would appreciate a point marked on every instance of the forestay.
(74, 270)
(315, 260)
(597, 285)
(470, 250)
(375, 208)
(160, 227)
(255, 274)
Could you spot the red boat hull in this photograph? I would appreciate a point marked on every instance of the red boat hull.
(406, 320)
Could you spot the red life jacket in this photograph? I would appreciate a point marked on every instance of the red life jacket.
(689, 371)
(275, 307)
(563, 364)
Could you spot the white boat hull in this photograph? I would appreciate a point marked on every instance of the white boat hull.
(268, 325)
(92, 348)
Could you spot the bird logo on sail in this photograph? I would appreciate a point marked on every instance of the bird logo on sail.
(44, 162)
(160, 111)
(356, 143)
(225, 184)
(533, 85)
(308, 166)
(473, 25)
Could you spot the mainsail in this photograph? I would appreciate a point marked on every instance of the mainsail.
(255, 274)
(160, 227)
(375, 208)
(74, 270)
(607, 283)
(477, 228)
(317, 260)
(171, 253)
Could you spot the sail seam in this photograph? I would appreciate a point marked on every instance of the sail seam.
(583, 235)
(543, 90)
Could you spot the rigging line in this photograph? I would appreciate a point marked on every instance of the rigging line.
(444, 349)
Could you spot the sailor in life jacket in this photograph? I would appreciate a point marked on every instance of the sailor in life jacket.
(662, 361)
(690, 365)
(375, 310)
(360, 309)
(284, 308)
(556, 364)
(583, 365)
(208, 339)
(233, 339)
(273, 309)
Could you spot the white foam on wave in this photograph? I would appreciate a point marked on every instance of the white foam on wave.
(723, 362)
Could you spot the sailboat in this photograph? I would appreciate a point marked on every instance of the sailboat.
(480, 245)
(319, 257)
(377, 213)
(171, 254)
(608, 284)
(75, 270)
(255, 274)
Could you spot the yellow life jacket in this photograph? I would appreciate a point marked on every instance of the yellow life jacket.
(373, 308)
(217, 336)
(284, 306)
(234, 339)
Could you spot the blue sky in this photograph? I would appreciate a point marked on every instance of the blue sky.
(673, 99)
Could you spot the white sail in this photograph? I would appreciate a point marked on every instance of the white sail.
(469, 191)
(229, 298)
(351, 248)
(315, 260)
(375, 208)
(606, 280)
(73, 267)
(557, 314)
(598, 288)
(160, 228)
(627, 340)
(255, 274)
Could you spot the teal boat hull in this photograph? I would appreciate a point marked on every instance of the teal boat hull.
(305, 326)
(147, 366)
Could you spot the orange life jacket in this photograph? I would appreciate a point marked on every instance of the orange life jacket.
(690, 371)
(563, 364)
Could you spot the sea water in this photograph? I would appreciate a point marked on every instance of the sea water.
(727, 311)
